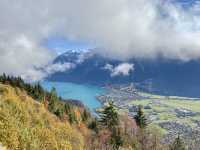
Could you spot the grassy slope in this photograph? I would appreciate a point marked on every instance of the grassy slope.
(166, 105)
(26, 124)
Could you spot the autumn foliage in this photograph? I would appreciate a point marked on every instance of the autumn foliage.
(27, 124)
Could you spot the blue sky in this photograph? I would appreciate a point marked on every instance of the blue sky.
(61, 45)
(186, 3)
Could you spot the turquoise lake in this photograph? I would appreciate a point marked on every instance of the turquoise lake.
(83, 92)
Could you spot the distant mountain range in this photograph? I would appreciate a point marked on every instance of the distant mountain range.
(169, 77)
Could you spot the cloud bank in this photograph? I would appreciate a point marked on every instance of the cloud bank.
(120, 29)
(122, 69)
(58, 67)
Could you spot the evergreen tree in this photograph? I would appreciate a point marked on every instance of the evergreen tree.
(94, 125)
(59, 112)
(85, 115)
(140, 118)
(67, 108)
(72, 117)
(116, 139)
(109, 116)
(178, 144)
(52, 100)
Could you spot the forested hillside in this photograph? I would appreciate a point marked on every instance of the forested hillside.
(26, 124)
(34, 119)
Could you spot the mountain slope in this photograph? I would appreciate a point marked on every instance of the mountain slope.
(31, 118)
(26, 124)
(162, 76)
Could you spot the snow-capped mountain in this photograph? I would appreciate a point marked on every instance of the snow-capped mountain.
(163, 76)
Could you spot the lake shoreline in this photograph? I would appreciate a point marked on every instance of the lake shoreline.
(84, 93)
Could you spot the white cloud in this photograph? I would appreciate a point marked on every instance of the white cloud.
(21, 56)
(119, 28)
(40, 73)
(122, 69)
(33, 75)
(58, 67)
(108, 67)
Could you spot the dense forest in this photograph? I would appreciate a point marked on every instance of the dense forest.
(33, 118)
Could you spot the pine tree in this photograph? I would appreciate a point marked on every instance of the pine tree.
(52, 100)
(116, 139)
(140, 118)
(67, 108)
(85, 115)
(94, 125)
(59, 112)
(109, 116)
(72, 117)
(178, 144)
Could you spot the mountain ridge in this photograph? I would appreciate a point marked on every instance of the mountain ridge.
(162, 76)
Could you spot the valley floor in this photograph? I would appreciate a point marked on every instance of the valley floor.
(171, 115)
